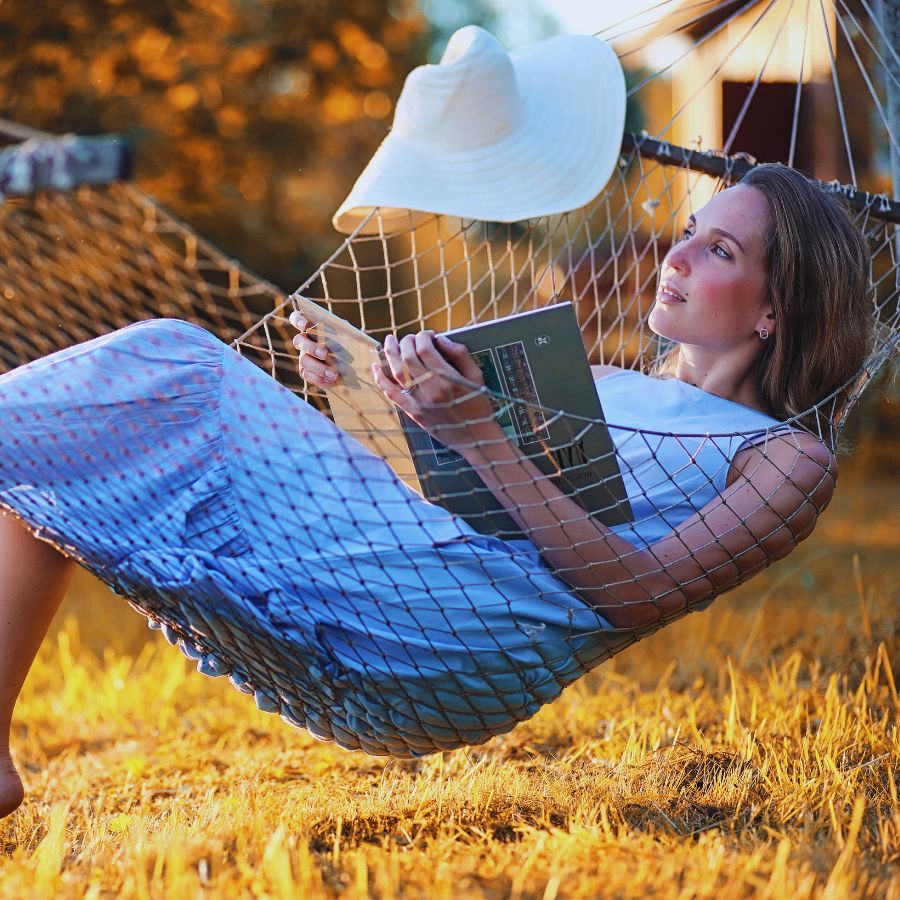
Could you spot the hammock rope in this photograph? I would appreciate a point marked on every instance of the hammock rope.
(326, 589)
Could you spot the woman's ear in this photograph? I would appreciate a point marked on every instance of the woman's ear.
(766, 326)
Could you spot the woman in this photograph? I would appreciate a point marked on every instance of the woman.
(269, 541)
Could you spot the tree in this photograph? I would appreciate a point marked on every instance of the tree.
(252, 118)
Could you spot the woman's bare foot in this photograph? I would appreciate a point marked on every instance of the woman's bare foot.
(11, 791)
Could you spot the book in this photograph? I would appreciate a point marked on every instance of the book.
(543, 395)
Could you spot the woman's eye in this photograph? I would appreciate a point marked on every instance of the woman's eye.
(721, 252)
(685, 234)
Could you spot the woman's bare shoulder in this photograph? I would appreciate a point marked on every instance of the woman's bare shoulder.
(796, 458)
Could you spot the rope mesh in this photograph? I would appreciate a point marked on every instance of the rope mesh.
(274, 548)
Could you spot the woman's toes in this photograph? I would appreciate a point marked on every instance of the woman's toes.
(11, 791)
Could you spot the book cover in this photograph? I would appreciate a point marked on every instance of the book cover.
(534, 364)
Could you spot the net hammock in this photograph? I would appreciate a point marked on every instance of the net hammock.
(267, 543)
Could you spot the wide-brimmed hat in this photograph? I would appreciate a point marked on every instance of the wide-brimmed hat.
(496, 136)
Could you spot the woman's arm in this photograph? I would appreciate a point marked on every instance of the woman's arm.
(760, 518)
(769, 508)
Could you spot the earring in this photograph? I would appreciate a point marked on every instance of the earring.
(764, 333)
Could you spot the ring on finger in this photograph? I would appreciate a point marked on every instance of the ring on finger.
(409, 390)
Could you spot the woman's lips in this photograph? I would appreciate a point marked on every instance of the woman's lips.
(667, 294)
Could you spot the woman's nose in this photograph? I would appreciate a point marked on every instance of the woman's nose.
(678, 257)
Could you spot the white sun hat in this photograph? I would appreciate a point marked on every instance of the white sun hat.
(496, 136)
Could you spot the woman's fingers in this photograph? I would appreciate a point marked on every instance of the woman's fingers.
(427, 351)
(298, 320)
(317, 372)
(305, 343)
(453, 413)
(398, 364)
(409, 360)
(413, 365)
(415, 357)
(460, 358)
(387, 385)
(314, 355)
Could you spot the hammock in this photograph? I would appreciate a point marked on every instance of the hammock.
(406, 637)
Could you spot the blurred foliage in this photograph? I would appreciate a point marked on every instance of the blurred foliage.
(252, 118)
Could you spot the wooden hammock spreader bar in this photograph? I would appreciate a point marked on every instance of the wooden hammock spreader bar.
(732, 168)
(64, 163)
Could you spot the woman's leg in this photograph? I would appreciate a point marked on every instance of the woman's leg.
(33, 580)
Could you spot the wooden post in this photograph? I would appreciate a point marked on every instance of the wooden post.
(889, 13)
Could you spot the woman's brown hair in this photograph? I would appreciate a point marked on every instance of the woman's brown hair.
(817, 265)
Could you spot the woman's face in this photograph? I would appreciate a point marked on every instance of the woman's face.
(712, 291)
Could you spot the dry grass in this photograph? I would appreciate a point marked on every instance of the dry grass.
(748, 751)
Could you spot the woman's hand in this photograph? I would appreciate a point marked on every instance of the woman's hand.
(316, 359)
(424, 378)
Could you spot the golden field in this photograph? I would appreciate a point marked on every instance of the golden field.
(749, 751)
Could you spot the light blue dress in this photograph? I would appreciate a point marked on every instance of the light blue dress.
(277, 550)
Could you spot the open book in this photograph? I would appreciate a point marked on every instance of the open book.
(534, 365)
